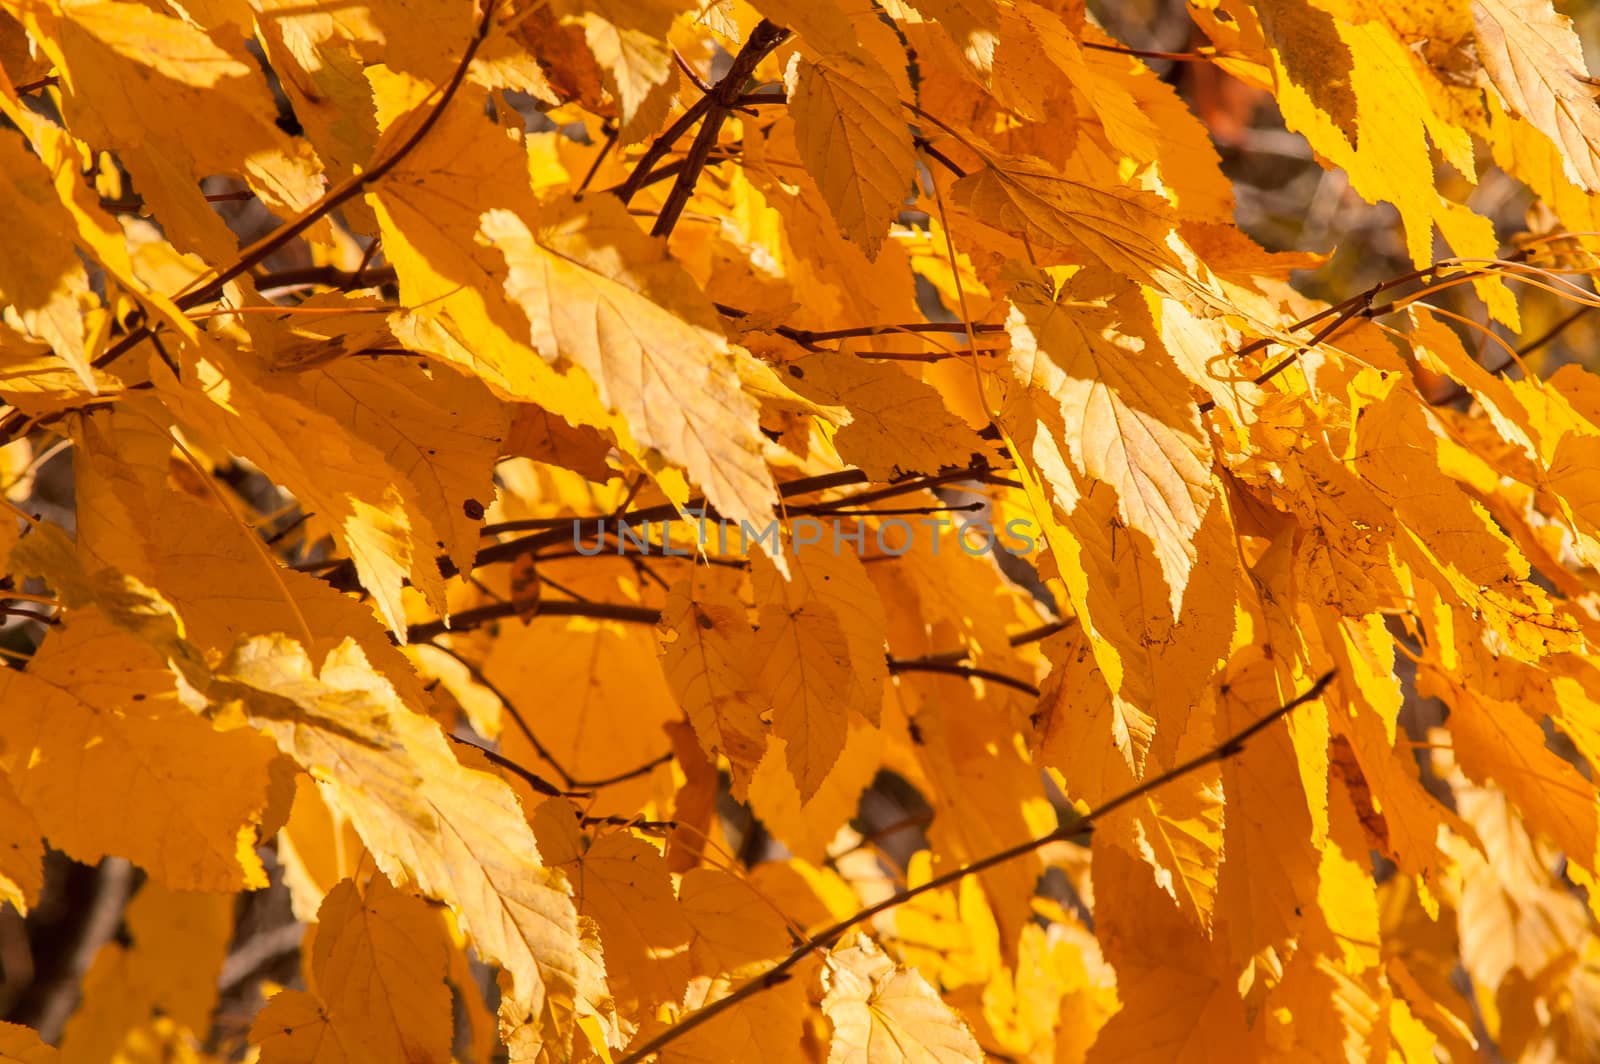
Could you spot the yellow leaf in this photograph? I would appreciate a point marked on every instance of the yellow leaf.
(170, 969)
(21, 1045)
(769, 1027)
(950, 935)
(614, 700)
(734, 926)
(1178, 1001)
(629, 41)
(1534, 60)
(106, 758)
(621, 882)
(316, 55)
(1133, 424)
(1122, 229)
(21, 852)
(821, 654)
(974, 25)
(439, 429)
(606, 297)
(898, 424)
(538, 434)
(711, 663)
(376, 970)
(1102, 94)
(1499, 742)
(852, 137)
(1267, 888)
(885, 1013)
(333, 472)
(224, 585)
(1514, 913)
(985, 793)
(807, 825)
(48, 285)
(457, 834)
(136, 81)
(1349, 85)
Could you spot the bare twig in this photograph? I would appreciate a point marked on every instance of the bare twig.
(962, 669)
(723, 99)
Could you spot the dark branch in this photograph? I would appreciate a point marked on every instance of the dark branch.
(958, 668)
(721, 101)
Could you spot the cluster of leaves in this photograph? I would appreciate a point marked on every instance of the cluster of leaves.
(347, 311)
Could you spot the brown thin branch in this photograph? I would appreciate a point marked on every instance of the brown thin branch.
(26, 614)
(549, 532)
(930, 356)
(367, 256)
(327, 277)
(1146, 53)
(939, 157)
(962, 669)
(1043, 631)
(355, 185)
(836, 509)
(528, 776)
(643, 770)
(467, 620)
(779, 972)
(600, 157)
(509, 706)
(690, 73)
(1350, 309)
(722, 100)
(810, 336)
(631, 822)
(558, 530)
(1548, 336)
(577, 788)
(764, 97)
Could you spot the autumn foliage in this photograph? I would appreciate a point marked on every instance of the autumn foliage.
(790, 530)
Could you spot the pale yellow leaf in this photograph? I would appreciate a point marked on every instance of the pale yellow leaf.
(885, 1014)
(605, 296)
(458, 834)
(1534, 59)
(1132, 423)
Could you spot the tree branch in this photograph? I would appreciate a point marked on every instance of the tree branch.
(958, 668)
(779, 972)
(722, 100)
(638, 178)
